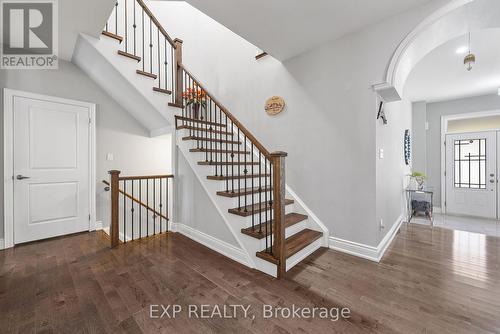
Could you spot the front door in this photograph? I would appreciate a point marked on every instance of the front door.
(51, 169)
(471, 187)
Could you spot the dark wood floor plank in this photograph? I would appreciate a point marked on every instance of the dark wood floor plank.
(430, 281)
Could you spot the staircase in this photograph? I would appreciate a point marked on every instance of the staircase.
(245, 181)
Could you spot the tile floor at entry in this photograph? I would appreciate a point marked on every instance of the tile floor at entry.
(469, 224)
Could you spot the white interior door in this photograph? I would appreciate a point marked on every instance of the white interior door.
(471, 187)
(51, 169)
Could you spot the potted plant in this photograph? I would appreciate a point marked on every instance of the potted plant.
(419, 179)
(195, 98)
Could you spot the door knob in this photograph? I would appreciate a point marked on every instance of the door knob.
(21, 177)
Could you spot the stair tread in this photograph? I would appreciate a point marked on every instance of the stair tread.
(194, 128)
(162, 90)
(189, 119)
(129, 55)
(234, 177)
(243, 192)
(236, 142)
(293, 244)
(229, 163)
(114, 36)
(203, 150)
(260, 231)
(255, 208)
(147, 74)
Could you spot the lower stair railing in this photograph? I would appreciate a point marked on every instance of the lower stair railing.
(139, 206)
(249, 171)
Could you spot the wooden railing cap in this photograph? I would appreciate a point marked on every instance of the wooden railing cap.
(178, 40)
(279, 154)
(114, 172)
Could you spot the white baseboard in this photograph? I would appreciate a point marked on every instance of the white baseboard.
(215, 244)
(2, 244)
(98, 225)
(365, 251)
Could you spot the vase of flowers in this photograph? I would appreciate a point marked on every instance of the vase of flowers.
(419, 179)
(195, 98)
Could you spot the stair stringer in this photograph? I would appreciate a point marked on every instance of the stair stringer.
(222, 204)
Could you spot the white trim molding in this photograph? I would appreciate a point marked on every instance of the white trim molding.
(2, 244)
(365, 251)
(215, 244)
(8, 155)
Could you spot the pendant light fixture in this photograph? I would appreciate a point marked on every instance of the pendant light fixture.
(470, 59)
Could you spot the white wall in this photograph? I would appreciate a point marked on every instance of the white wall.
(432, 140)
(328, 128)
(194, 208)
(116, 131)
(392, 169)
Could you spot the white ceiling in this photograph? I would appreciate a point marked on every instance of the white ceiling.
(286, 28)
(441, 75)
(75, 16)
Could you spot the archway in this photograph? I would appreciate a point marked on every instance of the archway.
(453, 20)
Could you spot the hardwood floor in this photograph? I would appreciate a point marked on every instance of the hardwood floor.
(430, 281)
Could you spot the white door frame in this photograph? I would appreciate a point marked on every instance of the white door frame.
(444, 132)
(8, 124)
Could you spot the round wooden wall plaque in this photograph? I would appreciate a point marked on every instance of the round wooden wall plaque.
(275, 105)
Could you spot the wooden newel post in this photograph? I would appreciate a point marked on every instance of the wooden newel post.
(178, 72)
(278, 174)
(113, 228)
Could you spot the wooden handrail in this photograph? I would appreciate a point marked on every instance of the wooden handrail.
(135, 199)
(148, 177)
(156, 22)
(235, 121)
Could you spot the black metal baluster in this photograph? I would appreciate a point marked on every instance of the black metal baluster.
(143, 59)
(207, 127)
(161, 204)
(271, 216)
(147, 209)
(135, 31)
(260, 194)
(232, 159)
(150, 45)
(211, 135)
(167, 203)
(253, 186)
(173, 71)
(124, 211)
(166, 64)
(238, 168)
(140, 209)
(215, 142)
(116, 18)
(132, 211)
(159, 61)
(245, 170)
(154, 206)
(265, 195)
(126, 27)
(221, 146)
(226, 160)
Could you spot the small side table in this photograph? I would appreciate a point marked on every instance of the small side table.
(425, 204)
